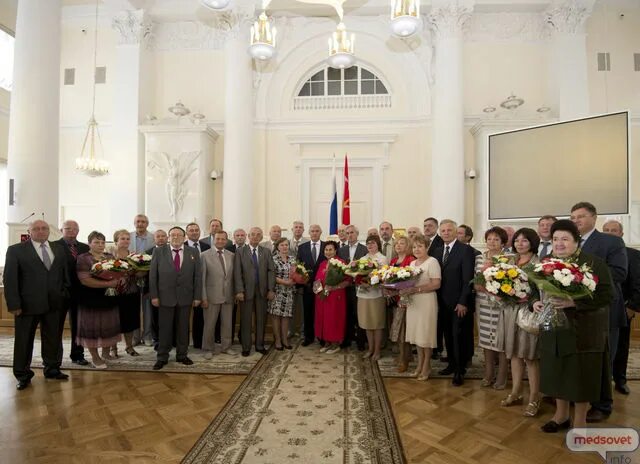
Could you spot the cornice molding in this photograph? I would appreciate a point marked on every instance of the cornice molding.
(174, 128)
(341, 138)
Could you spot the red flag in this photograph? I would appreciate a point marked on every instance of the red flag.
(346, 209)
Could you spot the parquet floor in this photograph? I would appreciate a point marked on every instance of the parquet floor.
(124, 417)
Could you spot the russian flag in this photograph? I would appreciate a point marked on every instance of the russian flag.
(333, 211)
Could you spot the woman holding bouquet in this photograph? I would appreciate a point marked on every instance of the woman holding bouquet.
(398, 324)
(489, 310)
(98, 317)
(520, 345)
(129, 299)
(371, 303)
(422, 310)
(331, 305)
(281, 307)
(574, 356)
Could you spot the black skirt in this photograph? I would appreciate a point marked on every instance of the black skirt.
(129, 307)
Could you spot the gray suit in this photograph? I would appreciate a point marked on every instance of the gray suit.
(255, 292)
(297, 325)
(176, 291)
(148, 331)
(218, 291)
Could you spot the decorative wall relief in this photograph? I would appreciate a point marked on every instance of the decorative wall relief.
(177, 170)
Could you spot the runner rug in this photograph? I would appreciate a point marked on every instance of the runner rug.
(304, 406)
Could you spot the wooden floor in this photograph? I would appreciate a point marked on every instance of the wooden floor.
(124, 417)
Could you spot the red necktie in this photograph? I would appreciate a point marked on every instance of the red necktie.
(176, 260)
(74, 250)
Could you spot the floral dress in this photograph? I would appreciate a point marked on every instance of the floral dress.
(282, 304)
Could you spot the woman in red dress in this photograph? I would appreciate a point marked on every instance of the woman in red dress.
(331, 308)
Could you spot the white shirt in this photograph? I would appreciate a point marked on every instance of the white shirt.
(251, 248)
(221, 254)
(352, 250)
(450, 245)
(36, 245)
(317, 245)
(180, 253)
(541, 246)
(193, 244)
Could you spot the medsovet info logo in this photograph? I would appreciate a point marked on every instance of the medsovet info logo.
(605, 440)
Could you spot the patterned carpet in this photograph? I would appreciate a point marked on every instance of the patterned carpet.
(236, 364)
(301, 406)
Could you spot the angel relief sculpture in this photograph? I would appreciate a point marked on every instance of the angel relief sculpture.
(177, 170)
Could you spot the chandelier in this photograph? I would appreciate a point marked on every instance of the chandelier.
(215, 4)
(263, 39)
(512, 102)
(88, 162)
(405, 17)
(341, 48)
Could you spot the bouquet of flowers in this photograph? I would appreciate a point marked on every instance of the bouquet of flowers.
(505, 281)
(110, 269)
(563, 279)
(361, 267)
(139, 261)
(399, 277)
(299, 274)
(336, 270)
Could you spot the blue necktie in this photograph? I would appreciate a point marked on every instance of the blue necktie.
(254, 258)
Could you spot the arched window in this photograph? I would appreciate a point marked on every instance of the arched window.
(352, 88)
(355, 80)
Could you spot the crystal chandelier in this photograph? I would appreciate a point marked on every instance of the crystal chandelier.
(215, 4)
(263, 39)
(405, 17)
(89, 163)
(341, 48)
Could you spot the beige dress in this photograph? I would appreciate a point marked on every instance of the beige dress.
(372, 306)
(422, 310)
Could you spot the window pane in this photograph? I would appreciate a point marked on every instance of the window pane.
(333, 74)
(351, 87)
(351, 73)
(380, 88)
(364, 74)
(317, 88)
(6, 60)
(319, 76)
(367, 87)
(333, 88)
(305, 91)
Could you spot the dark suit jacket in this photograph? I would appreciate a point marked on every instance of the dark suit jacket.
(204, 246)
(457, 275)
(436, 243)
(244, 275)
(343, 252)
(71, 261)
(305, 257)
(29, 286)
(175, 288)
(611, 249)
(631, 286)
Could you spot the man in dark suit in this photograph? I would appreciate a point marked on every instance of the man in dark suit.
(239, 240)
(311, 254)
(72, 248)
(215, 226)
(631, 297)
(255, 281)
(175, 286)
(612, 250)
(36, 287)
(430, 228)
(197, 319)
(457, 263)
(351, 251)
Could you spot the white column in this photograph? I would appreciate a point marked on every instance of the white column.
(447, 19)
(568, 66)
(132, 85)
(238, 172)
(34, 116)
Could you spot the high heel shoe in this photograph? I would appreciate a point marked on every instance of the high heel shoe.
(553, 427)
(531, 410)
(131, 352)
(511, 399)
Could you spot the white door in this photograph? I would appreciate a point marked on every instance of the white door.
(321, 190)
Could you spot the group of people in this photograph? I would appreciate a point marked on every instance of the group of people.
(199, 284)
